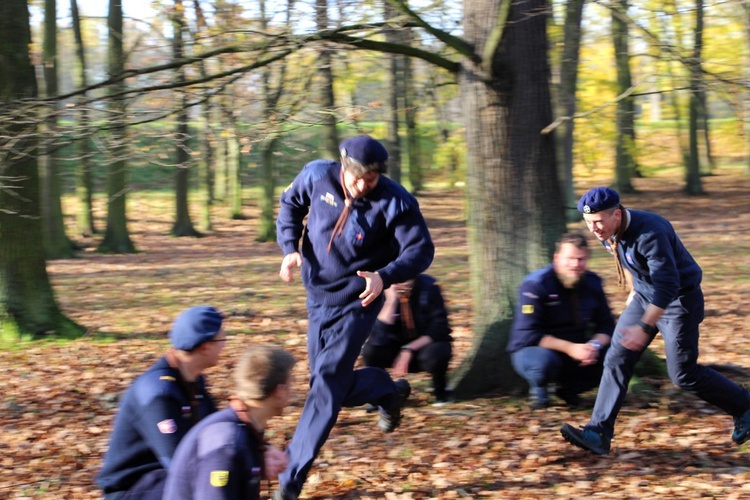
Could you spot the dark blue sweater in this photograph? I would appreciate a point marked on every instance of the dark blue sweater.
(546, 307)
(154, 415)
(221, 458)
(385, 233)
(661, 266)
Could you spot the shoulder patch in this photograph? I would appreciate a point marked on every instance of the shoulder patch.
(219, 478)
(167, 426)
(527, 309)
(168, 377)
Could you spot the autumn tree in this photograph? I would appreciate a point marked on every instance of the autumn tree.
(27, 302)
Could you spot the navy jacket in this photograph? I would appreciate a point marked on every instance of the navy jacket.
(661, 266)
(546, 307)
(385, 233)
(220, 458)
(430, 316)
(154, 415)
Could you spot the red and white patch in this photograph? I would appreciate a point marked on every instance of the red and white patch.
(167, 426)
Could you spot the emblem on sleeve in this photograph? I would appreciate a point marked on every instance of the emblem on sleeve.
(219, 478)
(527, 309)
(167, 426)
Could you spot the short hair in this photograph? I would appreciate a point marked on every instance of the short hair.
(359, 170)
(578, 240)
(260, 370)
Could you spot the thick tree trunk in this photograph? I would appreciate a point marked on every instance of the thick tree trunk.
(27, 301)
(395, 82)
(116, 236)
(267, 221)
(514, 200)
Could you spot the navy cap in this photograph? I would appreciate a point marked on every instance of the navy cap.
(194, 326)
(598, 199)
(364, 149)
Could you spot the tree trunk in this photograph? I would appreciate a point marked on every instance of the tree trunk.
(27, 302)
(395, 92)
(183, 224)
(625, 166)
(514, 203)
(267, 221)
(330, 143)
(116, 237)
(566, 101)
(410, 118)
(693, 183)
(56, 242)
(84, 177)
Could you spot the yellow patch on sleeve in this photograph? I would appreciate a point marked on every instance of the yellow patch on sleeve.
(219, 478)
(527, 309)
(168, 377)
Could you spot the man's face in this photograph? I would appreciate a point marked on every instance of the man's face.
(603, 224)
(215, 346)
(358, 187)
(570, 263)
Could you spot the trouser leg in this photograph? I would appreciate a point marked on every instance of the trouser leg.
(679, 327)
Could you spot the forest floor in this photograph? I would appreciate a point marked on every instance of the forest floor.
(59, 398)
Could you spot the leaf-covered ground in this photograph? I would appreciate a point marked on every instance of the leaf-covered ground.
(58, 399)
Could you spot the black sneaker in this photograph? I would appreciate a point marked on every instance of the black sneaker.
(391, 418)
(586, 438)
(741, 431)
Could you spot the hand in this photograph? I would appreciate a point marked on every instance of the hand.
(373, 287)
(276, 461)
(401, 364)
(634, 338)
(290, 261)
(586, 354)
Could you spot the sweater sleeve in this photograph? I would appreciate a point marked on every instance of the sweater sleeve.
(294, 207)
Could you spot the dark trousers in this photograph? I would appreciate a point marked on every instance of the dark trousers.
(679, 328)
(541, 366)
(335, 337)
(433, 359)
(149, 487)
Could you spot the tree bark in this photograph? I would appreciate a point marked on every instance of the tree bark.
(27, 302)
(514, 205)
(625, 165)
(56, 242)
(84, 177)
(566, 102)
(693, 182)
(330, 143)
(116, 236)
(183, 224)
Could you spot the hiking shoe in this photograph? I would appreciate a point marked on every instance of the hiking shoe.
(741, 428)
(391, 418)
(444, 398)
(586, 438)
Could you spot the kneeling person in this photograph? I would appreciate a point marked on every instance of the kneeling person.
(562, 326)
(412, 333)
(223, 456)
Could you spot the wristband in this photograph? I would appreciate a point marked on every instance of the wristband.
(649, 329)
(596, 344)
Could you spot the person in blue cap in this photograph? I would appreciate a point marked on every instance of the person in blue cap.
(160, 406)
(223, 456)
(562, 326)
(666, 298)
(363, 232)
